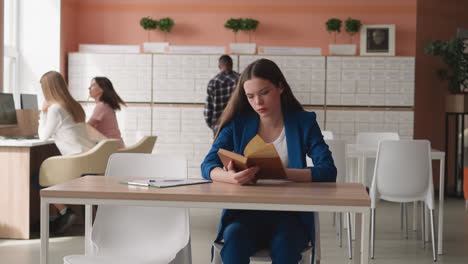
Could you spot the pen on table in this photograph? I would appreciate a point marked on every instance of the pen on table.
(163, 180)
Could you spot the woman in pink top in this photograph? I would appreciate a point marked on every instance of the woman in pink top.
(107, 102)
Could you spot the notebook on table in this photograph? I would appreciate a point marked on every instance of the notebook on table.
(164, 183)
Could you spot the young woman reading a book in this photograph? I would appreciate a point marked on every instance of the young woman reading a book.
(263, 104)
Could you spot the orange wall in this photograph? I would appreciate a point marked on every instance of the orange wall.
(436, 19)
(200, 22)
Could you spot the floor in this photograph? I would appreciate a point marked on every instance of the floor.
(391, 246)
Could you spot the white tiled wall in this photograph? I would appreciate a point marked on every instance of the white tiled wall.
(345, 124)
(184, 78)
(182, 131)
(305, 75)
(346, 81)
(129, 73)
(370, 81)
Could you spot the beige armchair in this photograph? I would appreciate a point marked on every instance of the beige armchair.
(145, 145)
(60, 169)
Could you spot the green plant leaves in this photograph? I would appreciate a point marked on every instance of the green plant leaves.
(453, 55)
(166, 24)
(234, 24)
(352, 26)
(333, 25)
(148, 23)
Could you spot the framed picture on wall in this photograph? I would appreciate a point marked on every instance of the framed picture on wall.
(378, 40)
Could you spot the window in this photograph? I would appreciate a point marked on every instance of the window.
(10, 56)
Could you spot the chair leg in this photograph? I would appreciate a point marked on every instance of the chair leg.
(350, 239)
(334, 219)
(434, 255)
(405, 205)
(423, 226)
(372, 232)
(339, 219)
(401, 216)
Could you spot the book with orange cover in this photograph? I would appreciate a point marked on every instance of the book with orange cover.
(256, 153)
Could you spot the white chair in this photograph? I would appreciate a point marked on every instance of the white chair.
(338, 150)
(134, 234)
(403, 173)
(372, 139)
(264, 254)
(327, 134)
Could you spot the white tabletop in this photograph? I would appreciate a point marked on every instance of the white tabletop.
(24, 142)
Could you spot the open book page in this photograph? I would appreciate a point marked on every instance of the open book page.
(257, 153)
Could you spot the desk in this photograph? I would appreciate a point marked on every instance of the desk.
(19, 203)
(266, 195)
(363, 152)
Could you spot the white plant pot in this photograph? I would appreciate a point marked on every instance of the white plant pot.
(342, 49)
(155, 47)
(243, 48)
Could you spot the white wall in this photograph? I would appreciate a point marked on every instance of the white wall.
(39, 43)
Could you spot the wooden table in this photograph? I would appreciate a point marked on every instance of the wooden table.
(364, 152)
(19, 200)
(266, 195)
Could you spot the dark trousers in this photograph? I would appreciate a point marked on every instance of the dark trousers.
(280, 232)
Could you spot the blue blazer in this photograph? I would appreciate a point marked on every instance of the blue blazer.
(303, 137)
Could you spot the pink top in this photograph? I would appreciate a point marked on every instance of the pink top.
(107, 122)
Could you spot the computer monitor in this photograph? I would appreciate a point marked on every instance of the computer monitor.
(29, 101)
(7, 111)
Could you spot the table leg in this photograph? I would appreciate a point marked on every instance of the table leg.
(88, 228)
(365, 237)
(358, 237)
(441, 206)
(44, 232)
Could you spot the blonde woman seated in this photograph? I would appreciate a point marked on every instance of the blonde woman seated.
(64, 119)
(108, 101)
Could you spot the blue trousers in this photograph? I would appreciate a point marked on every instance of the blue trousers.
(280, 232)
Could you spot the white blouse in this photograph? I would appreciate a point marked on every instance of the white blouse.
(282, 148)
(69, 136)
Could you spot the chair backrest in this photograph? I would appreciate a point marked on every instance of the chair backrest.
(60, 169)
(373, 138)
(403, 171)
(142, 231)
(327, 134)
(338, 150)
(144, 145)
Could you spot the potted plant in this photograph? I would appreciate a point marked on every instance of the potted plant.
(165, 25)
(333, 26)
(148, 24)
(234, 24)
(153, 47)
(248, 25)
(454, 54)
(352, 26)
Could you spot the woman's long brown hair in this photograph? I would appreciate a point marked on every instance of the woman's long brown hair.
(264, 69)
(109, 95)
(55, 90)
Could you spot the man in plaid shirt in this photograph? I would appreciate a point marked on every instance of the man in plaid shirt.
(219, 91)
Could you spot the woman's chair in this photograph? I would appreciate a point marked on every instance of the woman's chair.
(136, 234)
(338, 150)
(403, 173)
(60, 169)
(264, 254)
(145, 145)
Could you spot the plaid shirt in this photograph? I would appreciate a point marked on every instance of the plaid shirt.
(218, 93)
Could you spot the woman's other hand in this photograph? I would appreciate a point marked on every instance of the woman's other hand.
(242, 177)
